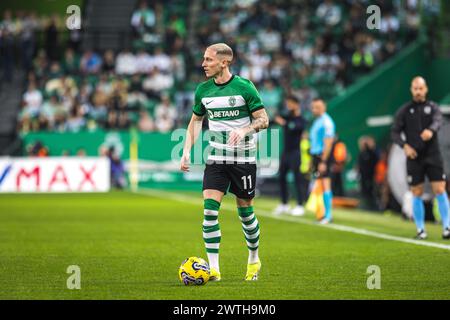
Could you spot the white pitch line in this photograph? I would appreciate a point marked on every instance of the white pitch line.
(224, 206)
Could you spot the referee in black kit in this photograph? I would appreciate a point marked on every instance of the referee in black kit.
(293, 125)
(420, 120)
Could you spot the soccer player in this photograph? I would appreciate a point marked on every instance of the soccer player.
(293, 125)
(322, 135)
(419, 120)
(235, 113)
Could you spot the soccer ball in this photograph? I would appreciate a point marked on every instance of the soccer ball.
(194, 271)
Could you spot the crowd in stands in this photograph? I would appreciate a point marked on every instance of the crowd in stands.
(302, 47)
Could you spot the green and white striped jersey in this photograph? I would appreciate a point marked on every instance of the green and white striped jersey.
(228, 106)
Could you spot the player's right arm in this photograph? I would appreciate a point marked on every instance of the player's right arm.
(397, 128)
(193, 130)
(396, 134)
(327, 145)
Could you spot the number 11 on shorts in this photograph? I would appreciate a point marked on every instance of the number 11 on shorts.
(244, 179)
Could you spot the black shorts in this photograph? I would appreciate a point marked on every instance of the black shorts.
(239, 179)
(430, 166)
(316, 162)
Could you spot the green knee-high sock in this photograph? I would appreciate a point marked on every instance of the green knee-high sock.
(250, 226)
(211, 231)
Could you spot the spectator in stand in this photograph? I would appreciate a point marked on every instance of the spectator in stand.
(28, 39)
(362, 61)
(91, 62)
(104, 85)
(136, 97)
(126, 63)
(31, 107)
(123, 122)
(71, 62)
(112, 120)
(144, 62)
(55, 70)
(37, 149)
(99, 110)
(52, 39)
(76, 121)
(109, 63)
(81, 152)
(145, 123)
(255, 64)
(270, 40)
(165, 114)
(389, 24)
(272, 97)
(412, 22)
(164, 124)
(329, 13)
(53, 114)
(143, 19)
(59, 84)
(40, 65)
(161, 61)
(8, 23)
(176, 28)
(156, 82)
(178, 66)
(74, 41)
(32, 100)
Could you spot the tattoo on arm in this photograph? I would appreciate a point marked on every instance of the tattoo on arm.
(260, 121)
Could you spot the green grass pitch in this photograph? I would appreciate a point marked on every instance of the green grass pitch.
(130, 245)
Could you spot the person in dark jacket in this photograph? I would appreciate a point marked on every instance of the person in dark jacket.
(293, 125)
(415, 130)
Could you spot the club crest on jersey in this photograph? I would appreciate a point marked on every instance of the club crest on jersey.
(427, 110)
(232, 101)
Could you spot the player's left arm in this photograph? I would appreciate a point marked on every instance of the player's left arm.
(260, 121)
(428, 133)
(327, 145)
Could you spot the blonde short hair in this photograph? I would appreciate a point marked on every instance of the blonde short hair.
(222, 49)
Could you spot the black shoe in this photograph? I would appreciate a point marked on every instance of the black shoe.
(446, 234)
(421, 235)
